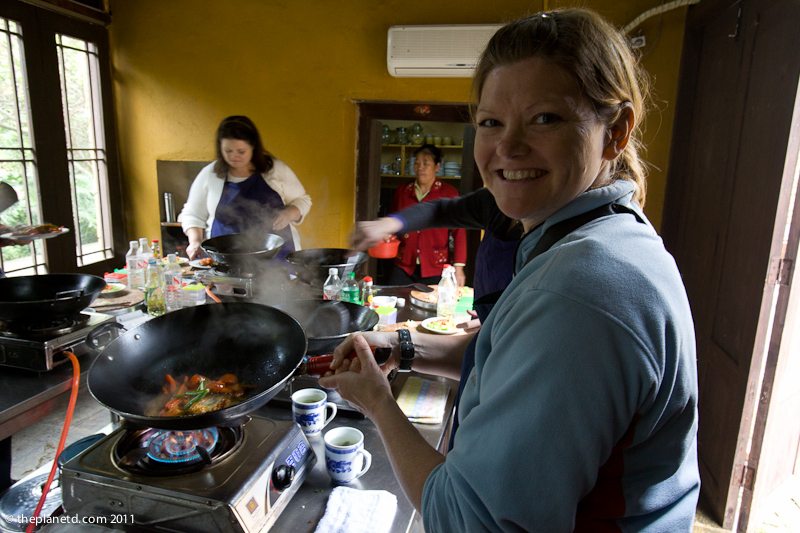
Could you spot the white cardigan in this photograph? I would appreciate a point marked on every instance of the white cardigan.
(206, 190)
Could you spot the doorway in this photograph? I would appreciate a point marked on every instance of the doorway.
(384, 158)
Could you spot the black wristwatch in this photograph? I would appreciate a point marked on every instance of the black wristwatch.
(406, 350)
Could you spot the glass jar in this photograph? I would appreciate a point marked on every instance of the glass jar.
(386, 136)
(402, 136)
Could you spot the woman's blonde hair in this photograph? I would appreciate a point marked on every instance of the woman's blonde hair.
(598, 56)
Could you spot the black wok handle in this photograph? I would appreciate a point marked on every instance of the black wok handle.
(67, 295)
(100, 336)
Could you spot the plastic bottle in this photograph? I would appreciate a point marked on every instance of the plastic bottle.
(154, 288)
(144, 249)
(447, 296)
(134, 267)
(350, 290)
(367, 291)
(157, 249)
(332, 288)
(172, 283)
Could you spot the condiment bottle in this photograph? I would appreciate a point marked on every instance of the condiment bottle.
(367, 291)
(156, 249)
(154, 289)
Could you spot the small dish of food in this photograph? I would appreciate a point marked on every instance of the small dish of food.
(30, 233)
(202, 264)
(440, 325)
(113, 289)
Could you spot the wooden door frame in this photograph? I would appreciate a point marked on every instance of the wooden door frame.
(750, 30)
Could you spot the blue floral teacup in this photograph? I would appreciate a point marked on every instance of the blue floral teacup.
(345, 456)
(310, 408)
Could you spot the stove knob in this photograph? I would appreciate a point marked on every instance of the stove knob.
(282, 477)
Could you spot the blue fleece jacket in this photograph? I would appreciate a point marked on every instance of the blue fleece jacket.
(581, 411)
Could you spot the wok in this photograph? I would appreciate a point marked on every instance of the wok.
(242, 252)
(261, 345)
(28, 298)
(327, 323)
(312, 264)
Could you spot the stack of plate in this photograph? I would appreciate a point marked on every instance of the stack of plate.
(452, 168)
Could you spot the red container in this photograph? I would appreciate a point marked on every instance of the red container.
(385, 249)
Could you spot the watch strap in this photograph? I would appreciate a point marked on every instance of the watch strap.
(406, 350)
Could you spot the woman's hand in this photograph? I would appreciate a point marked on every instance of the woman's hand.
(368, 233)
(195, 236)
(461, 278)
(286, 216)
(360, 380)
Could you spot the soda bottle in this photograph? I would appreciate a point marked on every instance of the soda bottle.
(447, 296)
(172, 283)
(154, 288)
(134, 267)
(350, 290)
(367, 291)
(332, 288)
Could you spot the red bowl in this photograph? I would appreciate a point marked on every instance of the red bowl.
(385, 249)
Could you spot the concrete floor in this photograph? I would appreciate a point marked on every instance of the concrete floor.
(35, 446)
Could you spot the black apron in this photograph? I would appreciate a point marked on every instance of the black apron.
(484, 305)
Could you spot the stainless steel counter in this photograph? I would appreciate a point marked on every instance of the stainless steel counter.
(308, 506)
(26, 397)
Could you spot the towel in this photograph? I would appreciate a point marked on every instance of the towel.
(358, 511)
(423, 400)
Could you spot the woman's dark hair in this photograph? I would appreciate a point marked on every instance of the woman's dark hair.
(430, 149)
(598, 56)
(241, 128)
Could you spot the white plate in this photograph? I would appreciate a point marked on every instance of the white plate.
(195, 263)
(19, 235)
(428, 324)
(113, 290)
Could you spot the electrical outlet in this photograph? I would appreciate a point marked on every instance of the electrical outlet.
(638, 42)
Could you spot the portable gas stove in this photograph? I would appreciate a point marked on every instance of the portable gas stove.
(227, 283)
(158, 481)
(40, 345)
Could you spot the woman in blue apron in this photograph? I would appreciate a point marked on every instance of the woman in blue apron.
(245, 190)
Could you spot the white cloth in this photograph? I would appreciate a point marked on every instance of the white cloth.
(206, 190)
(358, 511)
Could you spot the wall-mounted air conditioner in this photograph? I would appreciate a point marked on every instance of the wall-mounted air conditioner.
(449, 51)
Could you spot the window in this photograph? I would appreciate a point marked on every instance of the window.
(17, 157)
(57, 144)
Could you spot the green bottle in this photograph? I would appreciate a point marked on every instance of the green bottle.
(154, 289)
(350, 289)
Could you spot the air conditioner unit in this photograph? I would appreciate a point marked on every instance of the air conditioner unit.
(449, 51)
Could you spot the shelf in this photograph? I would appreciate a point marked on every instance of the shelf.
(415, 146)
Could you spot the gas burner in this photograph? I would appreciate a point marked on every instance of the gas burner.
(159, 452)
(45, 328)
(226, 271)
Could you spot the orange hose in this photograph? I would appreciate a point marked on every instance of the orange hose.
(212, 295)
(73, 398)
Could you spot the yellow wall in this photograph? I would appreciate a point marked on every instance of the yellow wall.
(297, 68)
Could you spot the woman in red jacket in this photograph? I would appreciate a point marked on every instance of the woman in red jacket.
(424, 253)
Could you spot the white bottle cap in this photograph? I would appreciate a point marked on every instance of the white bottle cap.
(401, 302)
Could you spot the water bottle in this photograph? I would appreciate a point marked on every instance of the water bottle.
(145, 253)
(447, 296)
(367, 291)
(332, 288)
(154, 289)
(350, 290)
(172, 283)
(134, 267)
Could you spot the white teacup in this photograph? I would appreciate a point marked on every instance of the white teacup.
(345, 456)
(310, 408)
